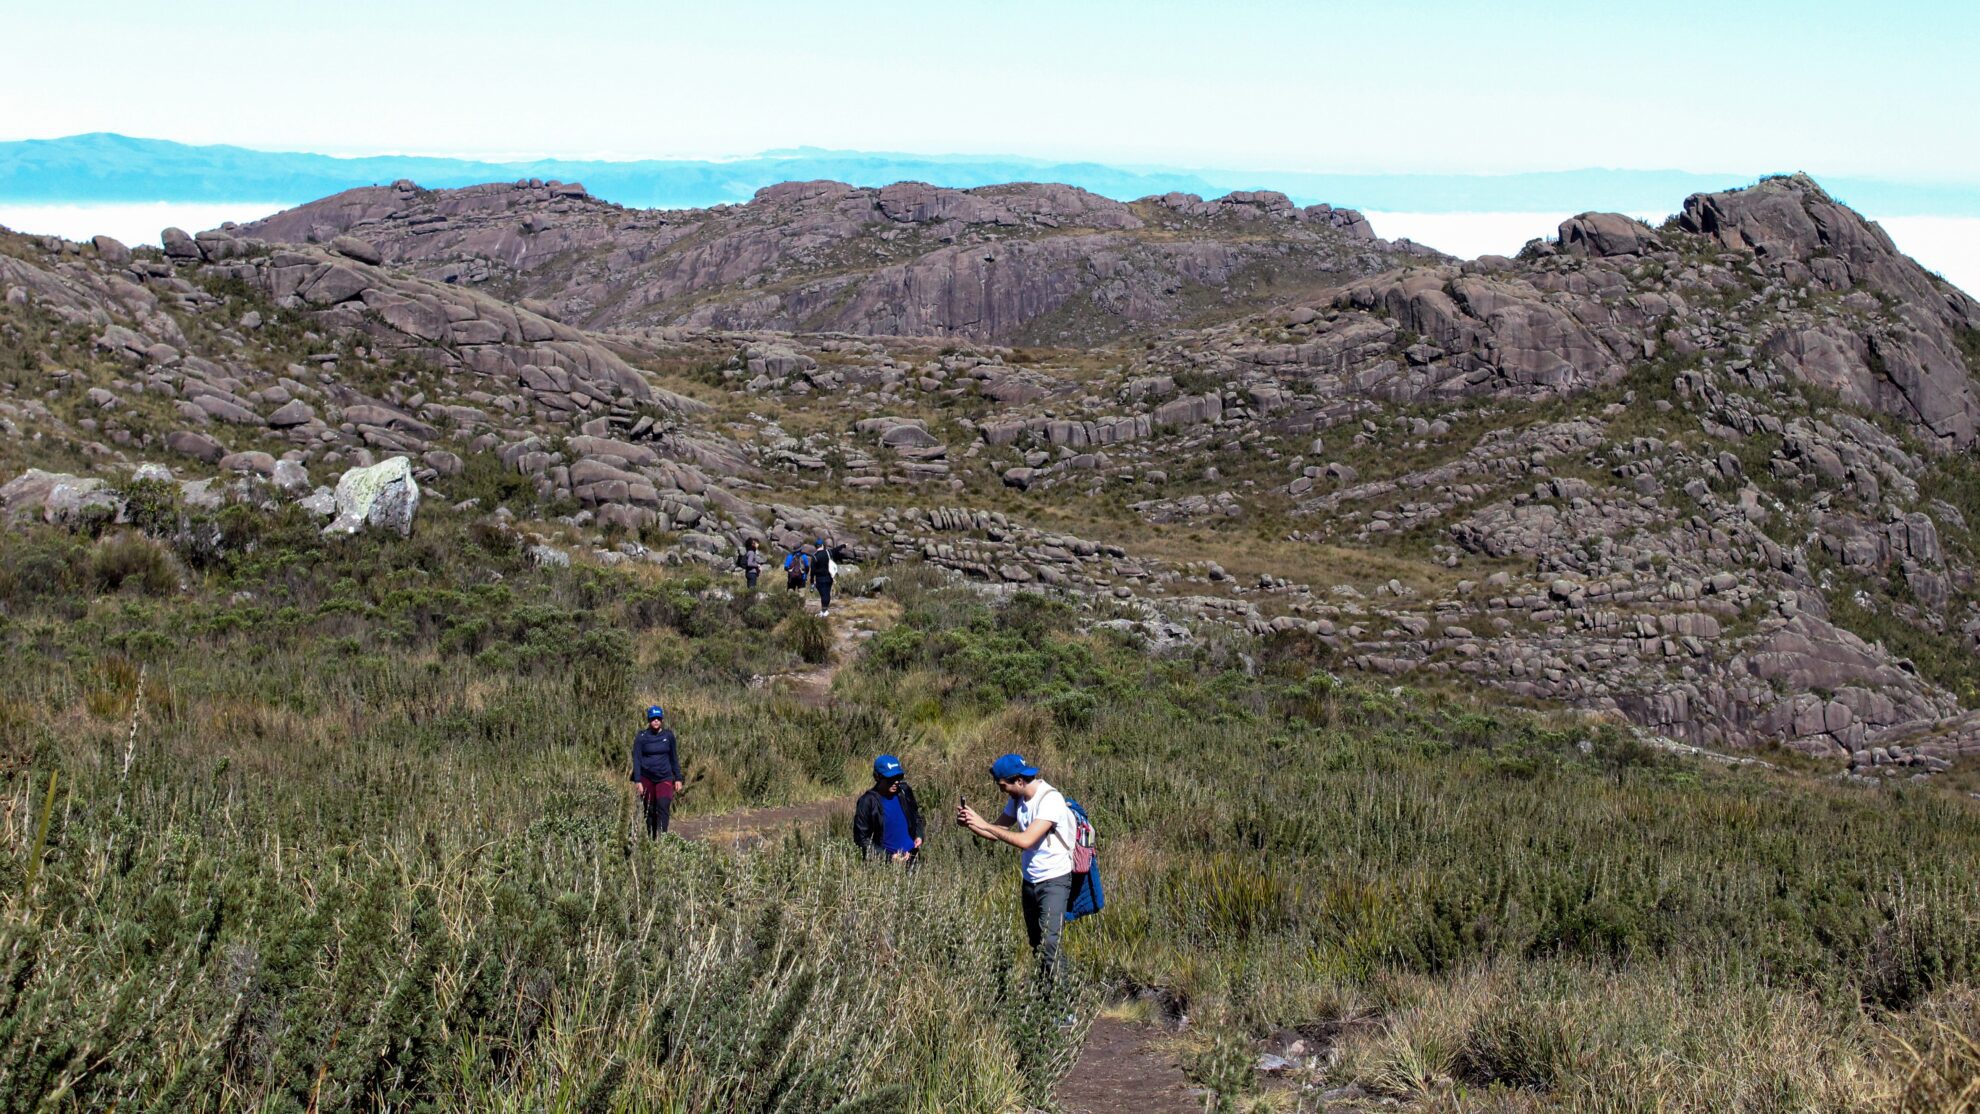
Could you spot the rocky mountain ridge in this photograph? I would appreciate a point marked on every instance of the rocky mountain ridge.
(1001, 263)
(1714, 477)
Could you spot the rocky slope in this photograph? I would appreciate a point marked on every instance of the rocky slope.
(1006, 263)
(1714, 477)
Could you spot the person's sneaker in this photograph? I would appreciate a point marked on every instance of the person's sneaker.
(824, 614)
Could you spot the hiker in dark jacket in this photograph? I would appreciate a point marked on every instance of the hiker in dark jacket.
(886, 821)
(821, 576)
(750, 561)
(657, 769)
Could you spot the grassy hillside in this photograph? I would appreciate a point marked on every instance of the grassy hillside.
(295, 824)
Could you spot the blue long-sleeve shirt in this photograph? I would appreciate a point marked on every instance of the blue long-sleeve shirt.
(653, 756)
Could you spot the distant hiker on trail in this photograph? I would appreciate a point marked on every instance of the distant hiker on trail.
(886, 819)
(657, 769)
(797, 570)
(821, 576)
(1037, 821)
(750, 561)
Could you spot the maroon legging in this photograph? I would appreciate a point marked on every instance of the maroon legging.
(659, 797)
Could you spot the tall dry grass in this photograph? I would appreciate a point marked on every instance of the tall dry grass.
(376, 849)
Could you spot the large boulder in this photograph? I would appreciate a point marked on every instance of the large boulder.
(294, 412)
(196, 445)
(111, 250)
(1605, 234)
(898, 433)
(178, 244)
(384, 496)
(350, 247)
(56, 497)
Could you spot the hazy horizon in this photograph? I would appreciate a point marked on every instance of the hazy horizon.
(114, 166)
(514, 155)
(1439, 86)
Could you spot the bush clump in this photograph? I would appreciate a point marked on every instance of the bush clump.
(808, 636)
(133, 561)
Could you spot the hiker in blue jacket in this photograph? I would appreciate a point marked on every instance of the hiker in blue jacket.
(657, 769)
(886, 820)
(797, 570)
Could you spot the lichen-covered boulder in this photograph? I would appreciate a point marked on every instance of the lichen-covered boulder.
(384, 495)
(58, 498)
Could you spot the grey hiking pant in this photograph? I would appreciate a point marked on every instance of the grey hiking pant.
(1044, 919)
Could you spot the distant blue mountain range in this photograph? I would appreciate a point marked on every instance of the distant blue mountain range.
(105, 167)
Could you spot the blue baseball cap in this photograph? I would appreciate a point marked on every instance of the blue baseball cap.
(656, 712)
(886, 766)
(1010, 766)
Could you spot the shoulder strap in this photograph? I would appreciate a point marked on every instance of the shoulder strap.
(1070, 838)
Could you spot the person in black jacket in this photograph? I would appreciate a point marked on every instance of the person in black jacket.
(886, 821)
(821, 575)
(657, 769)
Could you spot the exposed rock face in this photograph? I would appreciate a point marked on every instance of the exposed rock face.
(1489, 333)
(1808, 286)
(558, 367)
(1912, 366)
(384, 496)
(353, 248)
(909, 259)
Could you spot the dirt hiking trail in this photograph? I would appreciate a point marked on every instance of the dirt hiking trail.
(748, 827)
(1123, 1070)
(852, 622)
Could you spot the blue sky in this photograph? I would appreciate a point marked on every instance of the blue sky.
(1835, 88)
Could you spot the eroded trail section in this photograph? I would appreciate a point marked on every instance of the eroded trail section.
(748, 827)
(1123, 1070)
(852, 622)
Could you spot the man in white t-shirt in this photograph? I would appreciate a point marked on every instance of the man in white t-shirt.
(1036, 821)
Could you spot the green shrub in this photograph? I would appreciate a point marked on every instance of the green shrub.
(1931, 942)
(133, 560)
(1225, 1070)
(153, 506)
(44, 565)
(808, 636)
